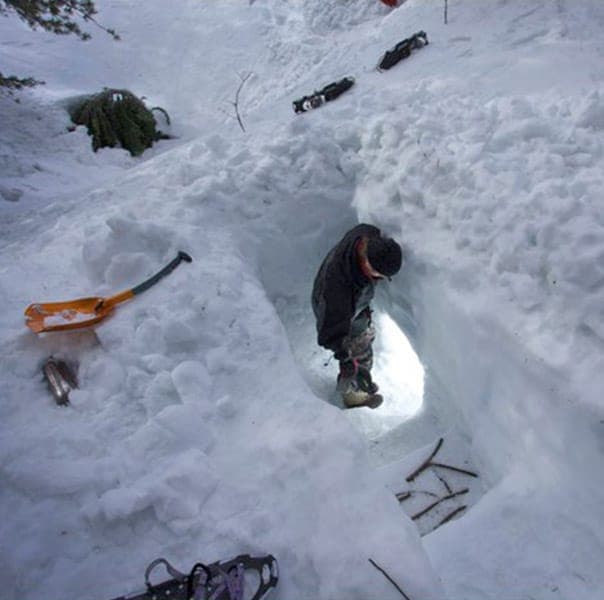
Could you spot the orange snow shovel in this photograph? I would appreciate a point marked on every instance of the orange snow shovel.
(74, 314)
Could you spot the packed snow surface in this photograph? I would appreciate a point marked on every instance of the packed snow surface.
(206, 422)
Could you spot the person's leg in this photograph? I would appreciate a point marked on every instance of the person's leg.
(358, 390)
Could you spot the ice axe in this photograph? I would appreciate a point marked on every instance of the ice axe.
(74, 314)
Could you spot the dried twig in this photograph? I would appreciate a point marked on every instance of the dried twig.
(428, 508)
(235, 103)
(451, 515)
(389, 579)
(444, 482)
(426, 463)
(402, 496)
(456, 469)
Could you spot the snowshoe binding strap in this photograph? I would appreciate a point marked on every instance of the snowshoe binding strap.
(174, 573)
(230, 580)
(193, 580)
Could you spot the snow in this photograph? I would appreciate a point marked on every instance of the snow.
(206, 422)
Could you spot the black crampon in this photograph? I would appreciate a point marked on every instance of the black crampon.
(403, 50)
(228, 580)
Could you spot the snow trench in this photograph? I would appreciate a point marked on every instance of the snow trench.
(504, 413)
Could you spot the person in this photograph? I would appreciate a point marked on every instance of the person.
(342, 292)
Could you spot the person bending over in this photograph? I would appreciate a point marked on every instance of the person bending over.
(342, 292)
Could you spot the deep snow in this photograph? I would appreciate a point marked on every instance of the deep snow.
(206, 422)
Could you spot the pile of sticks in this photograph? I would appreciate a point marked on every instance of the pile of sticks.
(436, 467)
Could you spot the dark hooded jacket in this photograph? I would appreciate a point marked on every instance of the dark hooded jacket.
(341, 291)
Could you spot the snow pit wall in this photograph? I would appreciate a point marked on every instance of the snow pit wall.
(514, 408)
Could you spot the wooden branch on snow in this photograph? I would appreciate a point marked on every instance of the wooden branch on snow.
(389, 579)
(444, 482)
(402, 496)
(426, 463)
(456, 469)
(451, 515)
(235, 104)
(428, 508)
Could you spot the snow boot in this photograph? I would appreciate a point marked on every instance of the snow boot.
(358, 399)
(359, 390)
(234, 579)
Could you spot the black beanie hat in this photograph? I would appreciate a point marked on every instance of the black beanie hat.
(384, 255)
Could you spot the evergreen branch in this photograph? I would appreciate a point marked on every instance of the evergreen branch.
(56, 16)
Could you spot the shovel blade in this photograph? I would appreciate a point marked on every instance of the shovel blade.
(61, 316)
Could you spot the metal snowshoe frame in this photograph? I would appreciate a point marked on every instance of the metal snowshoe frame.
(217, 581)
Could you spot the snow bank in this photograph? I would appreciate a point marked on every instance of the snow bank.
(204, 425)
(496, 201)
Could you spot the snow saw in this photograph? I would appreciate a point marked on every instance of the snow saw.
(234, 579)
(75, 314)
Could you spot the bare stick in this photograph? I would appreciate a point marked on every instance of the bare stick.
(389, 579)
(446, 11)
(427, 462)
(402, 496)
(444, 482)
(235, 104)
(421, 513)
(451, 515)
(456, 469)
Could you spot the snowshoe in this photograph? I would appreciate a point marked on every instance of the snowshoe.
(61, 379)
(234, 579)
(403, 50)
(327, 94)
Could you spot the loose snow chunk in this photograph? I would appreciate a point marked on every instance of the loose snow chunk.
(176, 488)
(593, 114)
(192, 381)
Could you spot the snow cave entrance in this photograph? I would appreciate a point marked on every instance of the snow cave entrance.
(400, 375)
(288, 258)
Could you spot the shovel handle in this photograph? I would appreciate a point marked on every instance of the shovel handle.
(145, 285)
